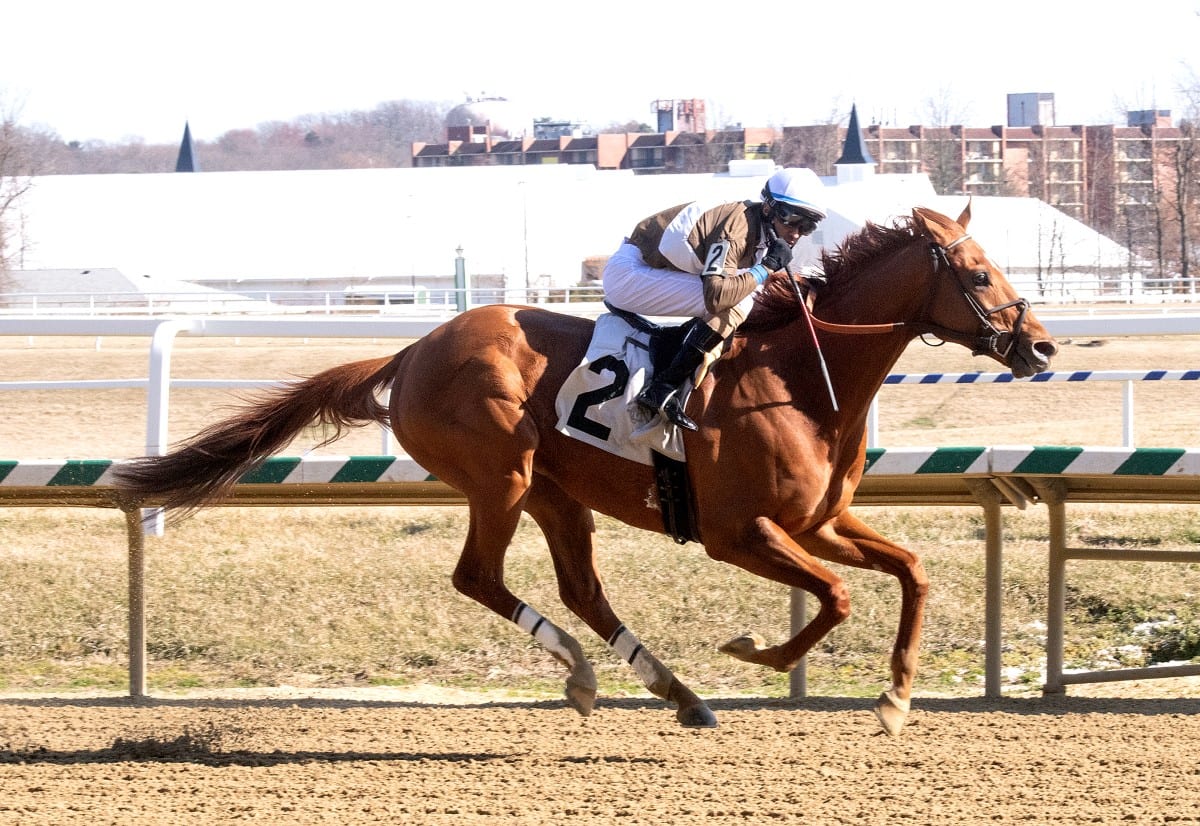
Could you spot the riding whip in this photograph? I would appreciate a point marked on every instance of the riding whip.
(811, 330)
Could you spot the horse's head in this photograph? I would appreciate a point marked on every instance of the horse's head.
(971, 302)
(923, 274)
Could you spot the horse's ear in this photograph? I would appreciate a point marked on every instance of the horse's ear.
(923, 219)
(940, 227)
(919, 220)
(965, 217)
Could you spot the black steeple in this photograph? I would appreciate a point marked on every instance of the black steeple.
(854, 150)
(187, 157)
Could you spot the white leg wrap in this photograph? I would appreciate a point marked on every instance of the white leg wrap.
(544, 631)
(630, 649)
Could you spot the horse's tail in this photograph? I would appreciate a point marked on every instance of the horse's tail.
(203, 469)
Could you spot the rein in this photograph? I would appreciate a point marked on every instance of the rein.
(856, 329)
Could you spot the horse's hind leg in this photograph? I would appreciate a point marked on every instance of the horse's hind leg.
(570, 530)
(481, 439)
(480, 576)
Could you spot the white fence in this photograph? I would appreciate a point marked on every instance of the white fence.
(259, 302)
(1182, 296)
(1129, 377)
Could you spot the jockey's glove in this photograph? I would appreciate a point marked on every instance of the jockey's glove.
(778, 256)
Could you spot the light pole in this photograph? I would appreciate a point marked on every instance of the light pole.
(460, 280)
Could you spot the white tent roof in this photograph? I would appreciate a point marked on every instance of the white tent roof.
(534, 225)
(109, 287)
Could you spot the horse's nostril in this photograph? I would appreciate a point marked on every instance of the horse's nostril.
(1047, 349)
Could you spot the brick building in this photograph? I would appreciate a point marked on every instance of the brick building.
(1104, 175)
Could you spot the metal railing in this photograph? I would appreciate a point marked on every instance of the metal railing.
(163, 332)
(362, 301)
(1059, 293)
(1129, 377)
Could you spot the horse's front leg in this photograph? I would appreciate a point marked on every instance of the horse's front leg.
(766, 550)
(849, 541)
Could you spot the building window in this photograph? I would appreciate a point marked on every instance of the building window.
(651, 158)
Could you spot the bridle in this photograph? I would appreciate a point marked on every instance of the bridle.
(987, 341)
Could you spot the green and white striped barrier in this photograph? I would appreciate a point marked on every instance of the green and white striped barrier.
(909, 461)
(51, 473)
(1035, 461)
(276, 470)
(1095, 461)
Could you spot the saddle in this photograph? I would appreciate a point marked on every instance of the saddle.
(665, 339)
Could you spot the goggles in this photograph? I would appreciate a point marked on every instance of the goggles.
(791, 216)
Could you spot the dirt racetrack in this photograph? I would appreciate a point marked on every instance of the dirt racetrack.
(322, 760)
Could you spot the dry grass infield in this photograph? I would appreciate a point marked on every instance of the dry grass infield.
(315, 666)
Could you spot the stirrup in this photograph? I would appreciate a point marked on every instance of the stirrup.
(654, 396)
(669, 406)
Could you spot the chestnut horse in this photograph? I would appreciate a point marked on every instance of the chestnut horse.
(773, 466)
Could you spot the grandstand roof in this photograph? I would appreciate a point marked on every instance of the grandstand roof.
(532, 225)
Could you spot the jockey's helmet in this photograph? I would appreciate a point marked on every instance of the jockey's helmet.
(795, 192)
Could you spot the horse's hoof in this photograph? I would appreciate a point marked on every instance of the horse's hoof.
(698, 716)
(892, 712)
(582, 698)
(744, 647)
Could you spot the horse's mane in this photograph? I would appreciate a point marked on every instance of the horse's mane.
(871, 242)
(776, 302)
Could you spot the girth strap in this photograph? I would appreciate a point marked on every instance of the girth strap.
(674, 498)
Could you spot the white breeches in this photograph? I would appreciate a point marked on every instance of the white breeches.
(631, 284)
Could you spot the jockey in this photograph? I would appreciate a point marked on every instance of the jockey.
(707, 261)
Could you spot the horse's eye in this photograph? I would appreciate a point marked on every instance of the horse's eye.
(981, 278)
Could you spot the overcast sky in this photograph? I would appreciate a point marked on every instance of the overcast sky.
(120, 69)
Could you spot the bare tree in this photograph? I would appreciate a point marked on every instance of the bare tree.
(627, 126)
(816, 146)
(18, 163)
(943, 144)
(381, 137)
(1182, 201)
(1047, 241)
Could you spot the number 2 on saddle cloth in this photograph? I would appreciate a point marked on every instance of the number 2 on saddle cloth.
(596, 405)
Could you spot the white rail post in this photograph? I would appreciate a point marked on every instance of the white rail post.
(1056, 601)
(1127, 416)
(798, 610)
(873, 423)
(137, 602)
(158, 401)
(385, 447)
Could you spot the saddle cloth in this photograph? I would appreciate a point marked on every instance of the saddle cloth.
(596, 403)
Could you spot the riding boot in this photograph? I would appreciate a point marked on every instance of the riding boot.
(664, 394)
